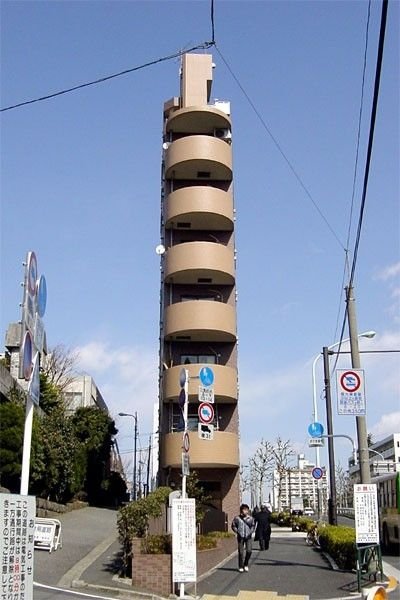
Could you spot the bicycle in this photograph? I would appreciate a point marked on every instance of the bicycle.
(312, 538)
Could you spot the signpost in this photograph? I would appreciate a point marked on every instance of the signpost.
(316, 442)
(350, 391)
(32, 337)
(183, 541)
(17, 518)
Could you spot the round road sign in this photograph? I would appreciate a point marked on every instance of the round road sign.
(350, 381)
(27, 356)
(186, 442)
(317, 472)
(32, 273)
(206, 413)
(41, 295)
(206, 376)
(315, 429)
(182, 377)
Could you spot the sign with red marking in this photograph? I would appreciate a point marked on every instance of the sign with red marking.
(350, 391)
(206, 413)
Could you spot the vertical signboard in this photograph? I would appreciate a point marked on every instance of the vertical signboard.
(350, 392)
(17, 520)
(366, 513)
(183, 540)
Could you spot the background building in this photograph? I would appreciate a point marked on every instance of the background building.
(298, 482)
(384, 457)
(82, 392)
(198, 292)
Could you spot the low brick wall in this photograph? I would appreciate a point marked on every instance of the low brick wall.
(153, 572)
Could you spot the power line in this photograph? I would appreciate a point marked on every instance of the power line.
(378, 71)
(203, 46)
(346, 262)
(279, 147)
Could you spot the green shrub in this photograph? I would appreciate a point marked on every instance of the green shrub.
(133, 520)
(221, 534)
(339, 542)
(206, 542)
(157, 544)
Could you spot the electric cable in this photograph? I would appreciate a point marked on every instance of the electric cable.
(203, 46)
(346, 268)
(374, 107)
(279, 147)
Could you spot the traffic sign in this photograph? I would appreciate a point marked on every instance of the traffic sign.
(182, 398)
(315, 429)
(182, 377)
(206, 394)
(316, 442)
(206, 376)
(206, 412)
(317, 473)
(186, 442)
(351, 392)
(206, 432)
(350, 381)
(185, 464)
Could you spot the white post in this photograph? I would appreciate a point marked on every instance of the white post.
(185, 420)
(26, 453)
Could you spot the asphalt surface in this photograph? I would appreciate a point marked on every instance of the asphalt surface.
(90, 558)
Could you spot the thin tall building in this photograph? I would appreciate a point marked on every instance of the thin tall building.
(198, 288)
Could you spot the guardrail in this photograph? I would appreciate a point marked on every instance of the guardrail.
(346, 512)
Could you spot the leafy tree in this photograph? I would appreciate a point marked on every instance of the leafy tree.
(195, 490)
(94, 430)
(11, 436)
(57, 478)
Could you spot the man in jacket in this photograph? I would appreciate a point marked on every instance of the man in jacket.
(243, 525)
(263, 533)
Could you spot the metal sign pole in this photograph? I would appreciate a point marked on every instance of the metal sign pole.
(185, 421)
(26, 453)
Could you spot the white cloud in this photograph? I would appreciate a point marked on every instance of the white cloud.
(127, 379)
(389, 272)
(388, 424)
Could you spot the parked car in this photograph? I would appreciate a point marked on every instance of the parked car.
(308, 512)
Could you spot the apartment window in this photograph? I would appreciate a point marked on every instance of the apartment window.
(192, 359)
(188, 298)
(193, 418)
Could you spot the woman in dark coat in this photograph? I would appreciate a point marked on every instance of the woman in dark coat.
(263, 531)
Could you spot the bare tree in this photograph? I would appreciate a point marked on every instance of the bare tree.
(59, 366)
(282, 452)
(262, 464)
(343, 486)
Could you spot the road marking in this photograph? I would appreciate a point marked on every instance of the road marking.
(76, 571)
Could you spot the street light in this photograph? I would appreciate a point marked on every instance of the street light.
(122, 414)
(366, 334)
(331, 457)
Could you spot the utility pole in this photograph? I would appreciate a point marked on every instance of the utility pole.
(332, 509)
(134, 460)
(362, 435)
(148, 468)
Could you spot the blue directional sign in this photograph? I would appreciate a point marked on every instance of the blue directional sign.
(315, 429)
(206, 376)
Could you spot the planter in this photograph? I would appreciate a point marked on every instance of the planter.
(153, 572)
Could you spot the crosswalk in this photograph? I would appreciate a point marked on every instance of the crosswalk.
(256, 595)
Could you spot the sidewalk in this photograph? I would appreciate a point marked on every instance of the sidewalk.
(89, 560)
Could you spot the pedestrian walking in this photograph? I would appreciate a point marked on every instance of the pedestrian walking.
(243, 525)
(263, 524)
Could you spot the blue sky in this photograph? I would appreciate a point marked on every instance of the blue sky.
(80, 185)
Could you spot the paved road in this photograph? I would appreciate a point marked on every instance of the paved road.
(289, 566)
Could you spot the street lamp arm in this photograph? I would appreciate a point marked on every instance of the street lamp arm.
(333, 435)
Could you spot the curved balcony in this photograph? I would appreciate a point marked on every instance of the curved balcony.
(200, 208)
(200, 321)
(198, 119)
(225, 382)
(199, 157)
(222, 451)
(191, 261)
